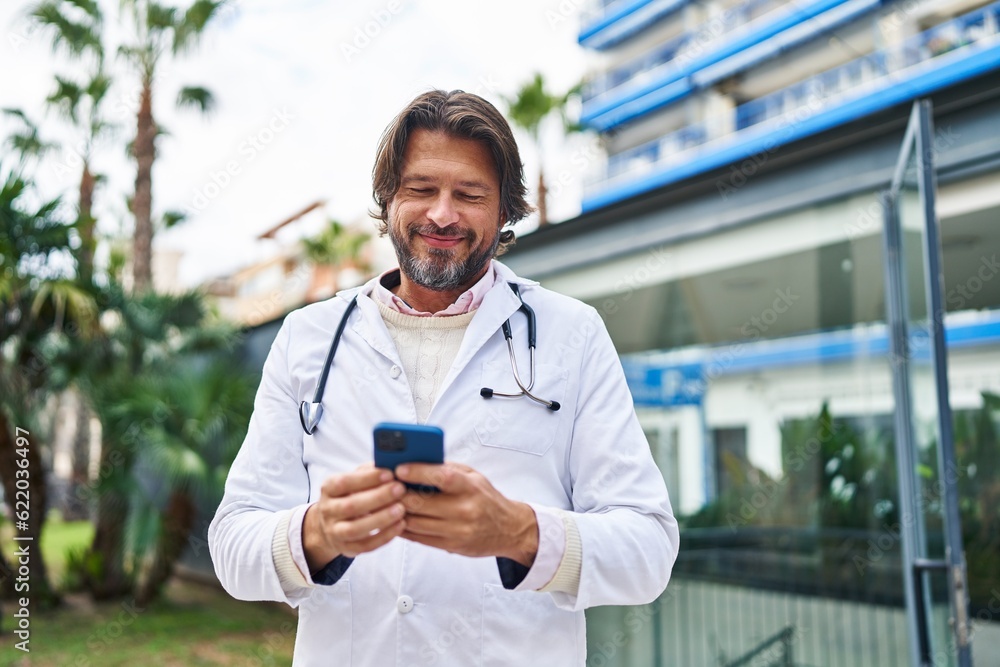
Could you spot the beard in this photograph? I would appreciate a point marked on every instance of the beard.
(440, 270)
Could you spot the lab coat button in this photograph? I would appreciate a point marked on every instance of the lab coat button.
(404, 604)
(394, 372)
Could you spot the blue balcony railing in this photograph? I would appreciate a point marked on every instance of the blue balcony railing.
(925, 62)
(746, 34)
(608, 22)
(664, 58)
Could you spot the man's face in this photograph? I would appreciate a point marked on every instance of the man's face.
(444, 221)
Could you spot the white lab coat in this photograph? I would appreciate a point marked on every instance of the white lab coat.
(589, 458)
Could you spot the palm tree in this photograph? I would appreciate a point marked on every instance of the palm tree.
(204, 411)
(140, 337)
(528, 109)
(158, 32)
(336, 247)
(155, 32)
(77, 27)
(38, 303)
(69, 96)
(146, 378)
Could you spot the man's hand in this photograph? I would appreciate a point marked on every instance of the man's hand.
(468, 516)
(357, 512)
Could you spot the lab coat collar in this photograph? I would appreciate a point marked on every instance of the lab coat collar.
(499, 304)
(502, 270)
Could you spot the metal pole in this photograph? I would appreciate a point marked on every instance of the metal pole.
(947, 465)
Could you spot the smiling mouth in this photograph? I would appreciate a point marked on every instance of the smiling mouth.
(439, 240)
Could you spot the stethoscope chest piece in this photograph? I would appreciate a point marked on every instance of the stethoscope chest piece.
(309, 415)
(488, 392)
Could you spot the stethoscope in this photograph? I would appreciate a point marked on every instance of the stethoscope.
(311, 413)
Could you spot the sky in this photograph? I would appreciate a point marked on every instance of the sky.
(304, 89)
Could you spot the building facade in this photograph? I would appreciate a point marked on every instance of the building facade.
(732, 240)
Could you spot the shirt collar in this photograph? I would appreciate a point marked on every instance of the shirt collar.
(466, 302)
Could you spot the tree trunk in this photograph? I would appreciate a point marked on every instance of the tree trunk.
(142, 202)
(85, 226)
(77, 507)
(178, 518)
(109, 533)
(543, 212)
(7, 577)
(26, 493)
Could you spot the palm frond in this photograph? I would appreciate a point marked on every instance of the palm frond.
(335, 245)
(140, 56)
(190, 27)
(66, 97)
(142, 531)
(26, 233)
(99, 129)
(171, 218)
(77, 37)
(160, 18)
(26, 141)
(531, 105)
(196, 97)
(90, 7)
(16, 113)
(68, 299)
(98, 87)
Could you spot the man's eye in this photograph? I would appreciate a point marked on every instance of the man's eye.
(473, 197)
(419, 191)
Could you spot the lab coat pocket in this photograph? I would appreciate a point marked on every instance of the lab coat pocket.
(520, 423)
(325, 627)
(526, 628)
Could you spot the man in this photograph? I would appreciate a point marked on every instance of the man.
(541, 513)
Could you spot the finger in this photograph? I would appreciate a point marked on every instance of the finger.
(429, 526)
(426, 503)
(363, 527)
(360, 503)
(375, 541)
(361, 479)
(447, 476)
(428, 540)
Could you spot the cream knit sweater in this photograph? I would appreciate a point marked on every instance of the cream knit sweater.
(427, 347)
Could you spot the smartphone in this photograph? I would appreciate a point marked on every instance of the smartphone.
(408, 443)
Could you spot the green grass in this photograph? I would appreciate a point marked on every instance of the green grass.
(58, 539)
(193, 625)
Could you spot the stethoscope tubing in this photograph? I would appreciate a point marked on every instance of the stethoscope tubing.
(310, 414)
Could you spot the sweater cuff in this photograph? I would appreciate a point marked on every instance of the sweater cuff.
(551, 546)
(289, 576)
(567, 577)
(327, 575)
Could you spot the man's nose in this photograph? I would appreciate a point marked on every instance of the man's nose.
(443, 211)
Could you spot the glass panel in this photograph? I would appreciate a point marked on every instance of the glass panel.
(768, 359)
(923, 387)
